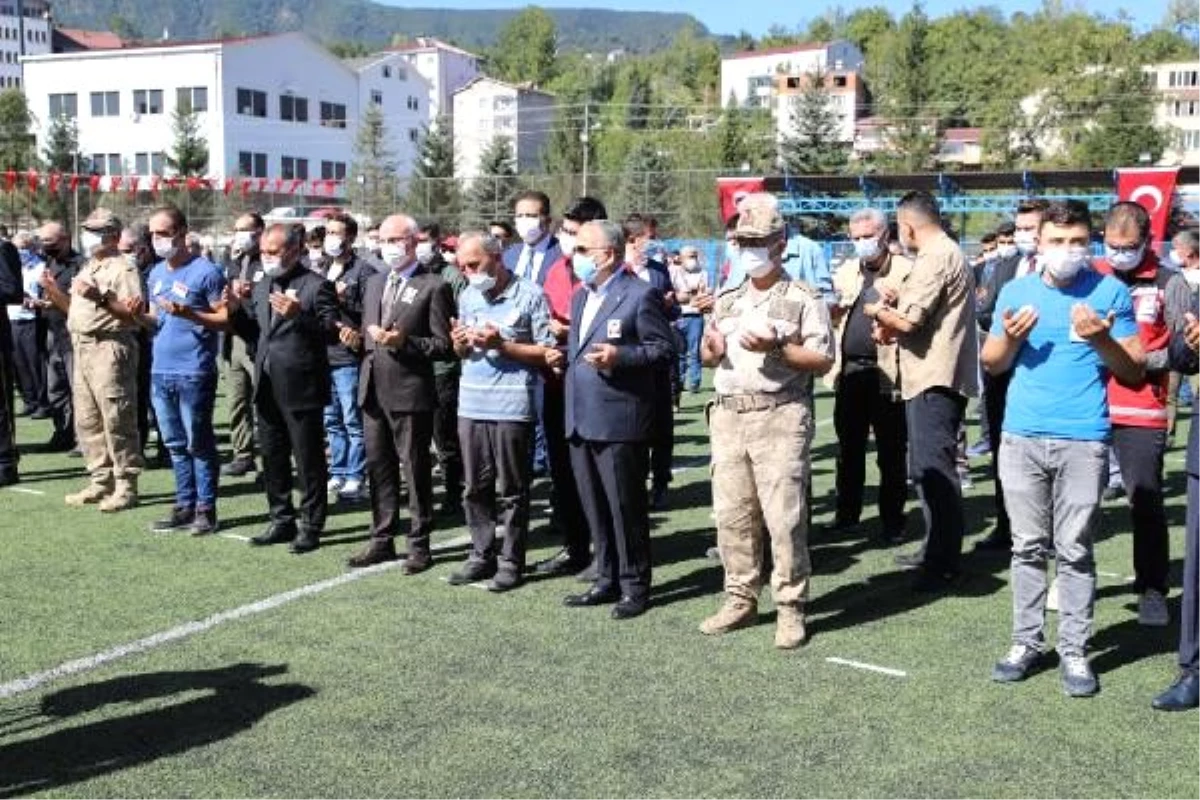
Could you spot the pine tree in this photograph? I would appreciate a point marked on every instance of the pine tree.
(647, 186)
(17, 148)
(62, 146)
(189, 154)
(813, 145)
(434, 194)
(904, 80)
(374, 169)
(1122, 128)
(491, 192)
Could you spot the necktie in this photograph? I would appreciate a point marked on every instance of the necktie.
(390, 293)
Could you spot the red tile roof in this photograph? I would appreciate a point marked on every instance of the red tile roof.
(91, 40)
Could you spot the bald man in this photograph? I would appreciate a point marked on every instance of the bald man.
(62, 265)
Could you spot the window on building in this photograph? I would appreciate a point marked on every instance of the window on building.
(194, 97)
(387, 71)
(292, 108)
(413, 135)
(251, 103)
(1189, 140)
(333, 115)
(149, 163)
(377, 97)
(293, 168)
(414, 104)
(333, 170)
(148, 101)
(64, 105)
(252, 165)
(107, 164)
(1185, 108)
(401, 72)
(106, 104)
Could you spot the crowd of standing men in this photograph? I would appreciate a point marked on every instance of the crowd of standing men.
(352, 367)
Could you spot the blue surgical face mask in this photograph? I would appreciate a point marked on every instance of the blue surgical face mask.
(867, 249)
(585, 267)
(483, 282)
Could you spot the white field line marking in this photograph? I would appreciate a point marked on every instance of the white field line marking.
(895, 673)
(23, 490)
(1125, 578)
(825, 422)
(234, 536)
(89, 663)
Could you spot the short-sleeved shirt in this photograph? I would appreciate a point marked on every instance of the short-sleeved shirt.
(795, 311)
(938, 298)
(1058, 388)
(112, 275)
(183, 347)
(494, 388)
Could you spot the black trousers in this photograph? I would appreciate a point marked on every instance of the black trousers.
(1189, 643)
(445, 435)
(613, 493)
(498, 465)
(8, 417)
(29, 359)
(391, 440)
(860, 408)
(934, 419)
(995, 395)
(60, 366)
(662, 434)
(1140, 454)
(285, 434)
(568, 515)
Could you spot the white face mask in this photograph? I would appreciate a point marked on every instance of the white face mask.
(394, 254)
(90, 242)
(425, 252)
(130, 259)
(1192, 276)
(1026, 242)
(483, 282)
(243, 240)
(1174, 259)
(334, 245)
(315, 254)
(867, 249)
(1006, 250)
(1063, 263)
(756, 261)
(164, 248)
(272, 266)
(566, 243)
(1124, 260)
(691, 264)
(450, 258)
(529, 229)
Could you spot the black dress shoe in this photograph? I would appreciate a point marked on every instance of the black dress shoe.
(561, 563)
(41, 413)
(588, 574)
(472, 572)
(60, 442)
(376, 553)
(997, 541)
(416, 561)
(887, 538)
(450, 510)
(238, 467)
(505, 581)
(1183, 694)
(305, 542)
(274, 534)
(629, 607)
(658, 498)
(840, 525)
(934, 581)
(8, 477)
(594, 596)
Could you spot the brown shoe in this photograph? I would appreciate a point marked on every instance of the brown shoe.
(124, 497)
(789, 627)
(737, 612)
(416, 562)
(92, 493)
(375, 553)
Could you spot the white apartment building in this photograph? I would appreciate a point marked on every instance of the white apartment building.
(487, 108)
(445, 67)
(1178, 110)
(25, 29)
(269, 107)
(750, 78)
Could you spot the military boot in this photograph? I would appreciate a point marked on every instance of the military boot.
(94, 492)
(737, 612)
(122, 498)
(789, 627)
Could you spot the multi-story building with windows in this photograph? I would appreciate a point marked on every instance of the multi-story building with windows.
(487, 108)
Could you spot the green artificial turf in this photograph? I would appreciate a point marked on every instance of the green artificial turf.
(403, 686)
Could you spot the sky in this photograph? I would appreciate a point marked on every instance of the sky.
(755, 16)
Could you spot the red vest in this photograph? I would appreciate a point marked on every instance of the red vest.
(1143, 405)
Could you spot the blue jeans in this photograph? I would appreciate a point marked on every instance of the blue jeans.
(343, 426)
(692, 328)
(183, 405)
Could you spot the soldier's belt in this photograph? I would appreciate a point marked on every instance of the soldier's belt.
(743, 403)
(104, 336)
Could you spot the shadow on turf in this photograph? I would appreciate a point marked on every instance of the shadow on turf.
(234, 700)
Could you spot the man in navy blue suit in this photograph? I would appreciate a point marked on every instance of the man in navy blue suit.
(621, 341)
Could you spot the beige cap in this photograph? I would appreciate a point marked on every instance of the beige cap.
(759, 217)
(102, 220)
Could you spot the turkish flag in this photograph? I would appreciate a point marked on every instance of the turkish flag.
(730, 190)
(33, 180)
(1154, 190)
(53, 182)
(94, 183)
(10, 180)
(245, 186)
(74, 182)
(228, 186)
(295, 185)
(115, 184)
(134, 180)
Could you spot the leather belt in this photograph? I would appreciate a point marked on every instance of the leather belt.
(743, 403)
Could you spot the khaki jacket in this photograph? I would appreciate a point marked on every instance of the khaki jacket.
(848, 285)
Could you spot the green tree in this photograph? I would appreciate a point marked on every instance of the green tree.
(125, 28)
(1121, 130)
(188, 157)
(647, 185)
(902, 75)
(17, 148)
(813, 145)
(374, 169)
(867, 27)
(348, 49)
(1183, 17)
(495, 185)
(433, 193)
(61, 153)
(525, 49)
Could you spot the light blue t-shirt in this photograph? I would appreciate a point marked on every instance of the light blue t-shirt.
(492, 387)
(1058, 388)
(183, 347)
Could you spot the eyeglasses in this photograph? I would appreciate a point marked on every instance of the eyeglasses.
(583, 251)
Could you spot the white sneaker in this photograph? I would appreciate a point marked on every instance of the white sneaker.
(351, 490)
(335, 485)
(1052, 595)
(1152, 609)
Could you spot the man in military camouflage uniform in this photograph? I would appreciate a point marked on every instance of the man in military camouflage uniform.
(767, 339)
(105, 296)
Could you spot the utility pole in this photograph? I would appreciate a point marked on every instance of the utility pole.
(583, 137)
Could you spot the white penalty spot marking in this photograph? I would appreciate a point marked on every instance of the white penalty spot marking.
(895, 673)
(23, 490)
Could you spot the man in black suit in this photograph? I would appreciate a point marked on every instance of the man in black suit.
(293, 315)
(243, 271)
(62, 265)
(405, 328)
(12, 291)
(621, 343)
